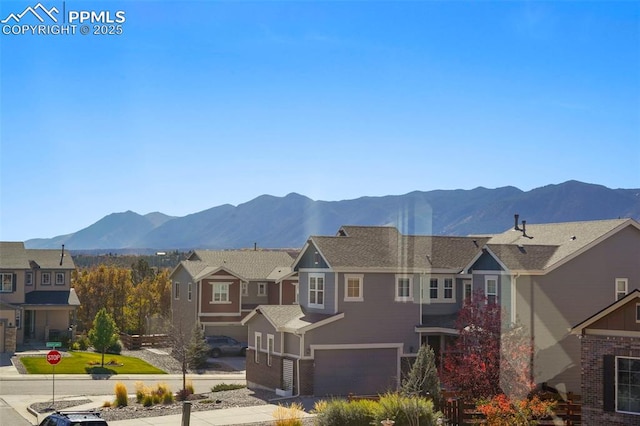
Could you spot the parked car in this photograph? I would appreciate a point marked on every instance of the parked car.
(225, 345)
(74, 418)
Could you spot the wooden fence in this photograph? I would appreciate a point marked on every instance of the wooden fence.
(457, 412)
(138, 341)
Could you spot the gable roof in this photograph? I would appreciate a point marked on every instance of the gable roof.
(553, 243)
(385, 248)
(251, 265)
(579, 328)
(291, 318)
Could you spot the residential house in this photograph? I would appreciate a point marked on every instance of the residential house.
(37, 302)
(216, 289)
(369, 297)
(610, 361)
(549, 277)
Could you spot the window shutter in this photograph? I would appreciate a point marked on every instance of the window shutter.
(609, 383)
(14, 282)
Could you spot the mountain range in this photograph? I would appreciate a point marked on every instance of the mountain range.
(286, 222)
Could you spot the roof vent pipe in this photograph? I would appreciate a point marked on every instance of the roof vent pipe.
(515, 226)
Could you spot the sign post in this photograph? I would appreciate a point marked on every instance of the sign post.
(53, 357)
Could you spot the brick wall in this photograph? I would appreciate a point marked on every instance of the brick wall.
(306, 377)
(593, 349)
(262, 374)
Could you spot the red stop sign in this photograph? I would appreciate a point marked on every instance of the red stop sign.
(53, 357)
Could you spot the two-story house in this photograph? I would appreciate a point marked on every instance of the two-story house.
(37, 302)
(550, 277)
(369, 297)
(216, 289)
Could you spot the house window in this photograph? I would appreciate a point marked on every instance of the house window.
(262, 289)
(296, 293)
(628, 385)
(621, 287)
(270, 345)
(59, 278)
(637, 312)
(220, 293)
(18, 319)
(189, 292)
(176, 290)
(7, 283)
(491, 289)
(46, 278)
(468, 290)
(404, 288)
(353, 288)
(448, 288)
(316, 290)
(245, 288)
(433, 288)
(258, 344)
(28, 279)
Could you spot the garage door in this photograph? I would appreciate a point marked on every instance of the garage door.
(358, 371)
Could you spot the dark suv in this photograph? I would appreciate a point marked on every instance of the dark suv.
(225, 345)
(74, 418)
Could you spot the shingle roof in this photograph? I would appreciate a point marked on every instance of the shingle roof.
(551, 242)
(50, 259)
(58, 298)
(249, 264)
(385, 247)
(13, 255)
(291, 317)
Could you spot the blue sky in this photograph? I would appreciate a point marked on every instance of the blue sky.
(198, 104)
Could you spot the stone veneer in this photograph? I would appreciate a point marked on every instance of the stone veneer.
(593, 350)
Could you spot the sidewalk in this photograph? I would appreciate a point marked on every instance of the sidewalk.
(217, 417)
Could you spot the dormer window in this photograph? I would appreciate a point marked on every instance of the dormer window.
(316, 291)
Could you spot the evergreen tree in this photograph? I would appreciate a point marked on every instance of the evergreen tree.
(198, 351)
(423, 376)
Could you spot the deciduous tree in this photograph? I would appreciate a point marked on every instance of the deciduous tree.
(104, 332)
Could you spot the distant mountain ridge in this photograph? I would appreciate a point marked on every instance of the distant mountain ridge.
(286, 222)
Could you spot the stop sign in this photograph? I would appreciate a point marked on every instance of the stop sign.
(53, 357)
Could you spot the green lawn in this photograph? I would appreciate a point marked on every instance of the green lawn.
(89, 363)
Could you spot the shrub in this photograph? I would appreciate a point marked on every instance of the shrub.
(183, 394)
(288, 416)
(147, 400)
(81, 343)
(226, 386)
(501, 411)
(106, 404)
(116, 348)
(167, 398)
(122, 398)
(190, 388)
(406, 410)
(140, 392)
(341, 412)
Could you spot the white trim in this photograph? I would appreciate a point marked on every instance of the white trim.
(616, 375)
(314, 325)
(214, 323)
(637, 310)
(360, 279)
(176, 290)
(257, 343)
(270, 349)
(264, 286)
(316, 290)
(397, 298)
(213, 293)
(189, 292)
(488, 278)
(336, 286)
(220, 314)
(626, 288)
